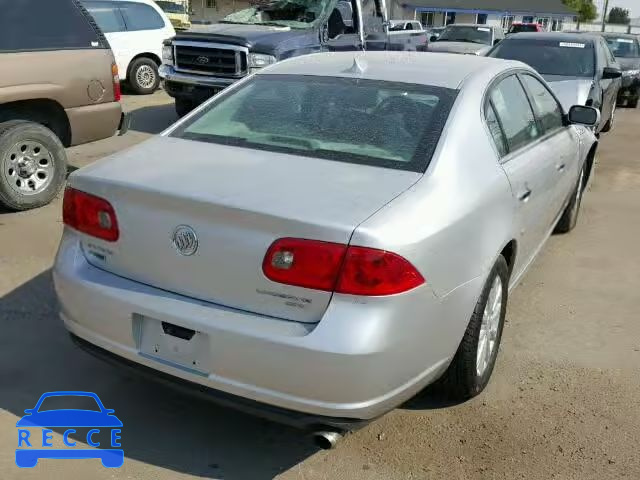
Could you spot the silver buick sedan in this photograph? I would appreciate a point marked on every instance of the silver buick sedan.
(324, 239)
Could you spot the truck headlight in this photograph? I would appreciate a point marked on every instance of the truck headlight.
(167, 54)
(260, 60)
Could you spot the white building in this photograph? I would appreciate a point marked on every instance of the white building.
(553, 15)
(214, 10)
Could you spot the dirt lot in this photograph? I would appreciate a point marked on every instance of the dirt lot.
(563, 402)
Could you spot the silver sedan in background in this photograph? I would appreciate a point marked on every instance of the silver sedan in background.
(324, 239)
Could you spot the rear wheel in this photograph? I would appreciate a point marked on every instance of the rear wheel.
(183, 106)
(144, 78)
(472, 366)
(33, 165)
(569, 217)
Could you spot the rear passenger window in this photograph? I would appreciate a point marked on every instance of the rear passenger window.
(496, 130)
(32, 25)
(107, 15)
(514, 112)
(549, 111)
(139, 16)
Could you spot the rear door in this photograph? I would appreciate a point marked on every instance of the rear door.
(531, 171)
(560, 141)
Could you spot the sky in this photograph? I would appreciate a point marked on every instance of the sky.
(632, 5)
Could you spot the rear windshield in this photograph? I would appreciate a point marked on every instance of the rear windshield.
(523, 28)
(575, 59)
(387, 124)
(623, 47)
(480, 35)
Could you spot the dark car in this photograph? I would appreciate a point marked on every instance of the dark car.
(626, 49)
(524, 27)
(580, 68)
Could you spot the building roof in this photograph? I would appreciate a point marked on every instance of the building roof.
(435, 69)
(555, 7)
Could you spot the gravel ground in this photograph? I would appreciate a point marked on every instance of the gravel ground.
(563, 402)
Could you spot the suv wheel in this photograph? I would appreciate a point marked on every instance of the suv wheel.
(144, 78)
(33, 165)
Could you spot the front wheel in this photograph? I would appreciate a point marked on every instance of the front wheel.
(569, 217)
(472, 366)
(144, 78)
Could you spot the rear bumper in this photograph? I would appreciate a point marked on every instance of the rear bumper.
(94, 122)
(362, 360)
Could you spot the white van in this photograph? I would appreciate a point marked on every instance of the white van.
(135, 30)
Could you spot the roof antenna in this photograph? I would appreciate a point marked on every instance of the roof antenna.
(357, 68)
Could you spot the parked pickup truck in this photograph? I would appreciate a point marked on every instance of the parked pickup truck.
(202, 61)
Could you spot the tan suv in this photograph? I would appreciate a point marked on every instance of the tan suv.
(59, 87)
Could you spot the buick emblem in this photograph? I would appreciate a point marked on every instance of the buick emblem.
(185, 240)
(202, 60)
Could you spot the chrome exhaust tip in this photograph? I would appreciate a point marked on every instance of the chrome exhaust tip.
(326, 440)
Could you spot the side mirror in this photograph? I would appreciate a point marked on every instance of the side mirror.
(433, 38)
(581, 115)
(611, 73)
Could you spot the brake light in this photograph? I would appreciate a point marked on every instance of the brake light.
(340, 268)
(90, 214)
(304, 263)
(117, 93)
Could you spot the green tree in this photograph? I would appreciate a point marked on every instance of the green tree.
(619, 15)
(585, 10)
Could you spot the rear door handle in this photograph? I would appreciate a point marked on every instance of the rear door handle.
(524, 196)
(561, 167)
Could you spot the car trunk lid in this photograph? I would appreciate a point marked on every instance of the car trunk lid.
(237, 201)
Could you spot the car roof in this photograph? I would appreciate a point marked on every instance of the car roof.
(446, 70)
(618, 35)
(554, 36)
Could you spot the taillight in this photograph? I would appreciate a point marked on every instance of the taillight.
(90, 214)
(304, 263)
(368, 271)
(117, 93)
(340, 268)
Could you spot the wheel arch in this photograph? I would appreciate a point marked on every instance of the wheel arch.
(44, 111)
(590, 162)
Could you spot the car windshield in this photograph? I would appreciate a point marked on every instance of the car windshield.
(172, 7)
(284, 13)
(568, 58)
(379, 123)
(623, 47)
(480, 35)
(69, 402)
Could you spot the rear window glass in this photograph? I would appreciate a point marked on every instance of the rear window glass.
(523, 28)
(623, 47)
(395, 125)
(569, 58)
(28, 25)
(480, 35)
(107, 15)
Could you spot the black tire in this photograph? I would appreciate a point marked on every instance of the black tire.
(462, 380)
(611, 122)
(143, 76)
(16, 191)
(569, 217)
(183, 106)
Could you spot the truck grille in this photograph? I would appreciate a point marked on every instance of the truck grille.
(211, 61)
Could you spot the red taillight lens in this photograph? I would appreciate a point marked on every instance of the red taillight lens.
(117, 93)
(336, 267)
(372, 272)
(90, 214)
(304, 263)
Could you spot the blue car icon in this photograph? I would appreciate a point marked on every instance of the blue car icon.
(27, 457)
